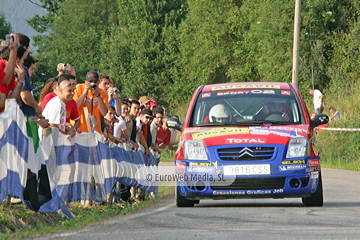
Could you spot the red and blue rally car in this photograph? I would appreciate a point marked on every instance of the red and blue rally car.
(247, 140)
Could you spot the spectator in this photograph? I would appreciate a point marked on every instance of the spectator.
(163, 135)
(28, 105)
(318, 99)
(335, 115)
(152, 104)
(110, 120)
(154, 127)
(72, 113)
(93, 98)
(164, 110)
(145, 139)
(65, 68)
(7, 68)
(146, 101)
(106, 84)
(144, 134)
(13, 89)
(29, 63)
(121, 127)
(134, 109)
(48, 88)
(133, 113)
(55, 109)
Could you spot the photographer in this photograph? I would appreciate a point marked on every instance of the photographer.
(107, 84)
(7, 69)
(13, 88)
(63, 68)
(95, 99)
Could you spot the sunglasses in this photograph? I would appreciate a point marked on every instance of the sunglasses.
(68, 85)
(148, 117)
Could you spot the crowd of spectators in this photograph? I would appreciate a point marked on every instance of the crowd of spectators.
(76, 108)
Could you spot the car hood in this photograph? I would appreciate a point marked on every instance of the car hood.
(212, 136)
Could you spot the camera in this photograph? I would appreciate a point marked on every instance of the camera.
(115, 90)
(7, 39)
(67, 68)
(93, 85)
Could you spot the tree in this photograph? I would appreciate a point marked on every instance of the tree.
(142, 47)
(5, 27)
(206, 45)
(43, 23)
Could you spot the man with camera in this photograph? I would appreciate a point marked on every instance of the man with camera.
(92, 100)
(107, 84)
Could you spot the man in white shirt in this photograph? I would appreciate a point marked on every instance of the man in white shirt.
(318, 99)
(55, 110)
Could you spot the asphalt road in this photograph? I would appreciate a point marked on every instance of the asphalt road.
(339, 218)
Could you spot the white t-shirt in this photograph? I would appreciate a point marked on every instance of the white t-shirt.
(119, 127)
(153, 130)
(317, 95)
(55, 112)
(138, 125)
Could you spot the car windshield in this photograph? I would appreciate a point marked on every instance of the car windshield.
(246, 108)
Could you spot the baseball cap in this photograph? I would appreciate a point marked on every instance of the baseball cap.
(92, 75)
(152, 102)
(144, 99)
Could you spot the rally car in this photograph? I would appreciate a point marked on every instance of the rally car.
(248, 140)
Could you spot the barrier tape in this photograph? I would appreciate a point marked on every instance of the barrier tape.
(338, 129)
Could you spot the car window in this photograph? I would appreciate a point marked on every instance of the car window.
(247, 107)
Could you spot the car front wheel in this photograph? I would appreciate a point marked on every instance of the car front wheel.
(316, 199)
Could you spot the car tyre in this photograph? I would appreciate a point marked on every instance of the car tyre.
(316, 199)
(182, 201)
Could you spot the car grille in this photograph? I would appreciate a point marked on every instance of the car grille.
(246, 153)
(252, 184)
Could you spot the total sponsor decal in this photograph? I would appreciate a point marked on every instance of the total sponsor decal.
(201, 169)
(247, 192)
(244, 86)
(293, 162)
(219, 132)
(267, 131)
(244, 140)
(313, 162)
(292, 167)
(255, 91)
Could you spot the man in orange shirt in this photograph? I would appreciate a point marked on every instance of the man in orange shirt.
(89, 95)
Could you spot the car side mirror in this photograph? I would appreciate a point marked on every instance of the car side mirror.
(319, 119)
(174, 123)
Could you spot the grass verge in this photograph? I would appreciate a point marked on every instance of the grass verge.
(17, 222)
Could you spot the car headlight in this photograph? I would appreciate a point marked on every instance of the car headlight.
(298, 147)
(195, 150)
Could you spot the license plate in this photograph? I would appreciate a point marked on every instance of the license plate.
(259, 169)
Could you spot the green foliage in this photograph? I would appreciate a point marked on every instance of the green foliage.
(5, 26)
(42, 23)
(206, 46)
(340, 149)
(141, 48)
